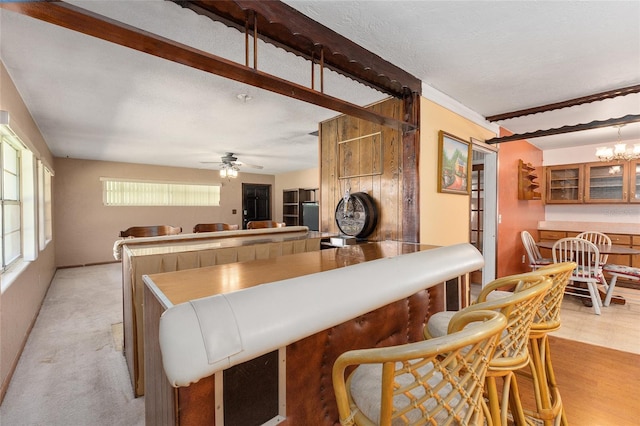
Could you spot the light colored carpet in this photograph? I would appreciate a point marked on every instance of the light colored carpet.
(72, 371)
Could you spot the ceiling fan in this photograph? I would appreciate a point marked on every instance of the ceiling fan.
(229, 165)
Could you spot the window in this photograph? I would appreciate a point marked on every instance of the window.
(44, 203)
(118, 192)
(10, 214)
(25, 204)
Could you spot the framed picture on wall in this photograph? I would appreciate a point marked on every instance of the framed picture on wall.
(454, 156)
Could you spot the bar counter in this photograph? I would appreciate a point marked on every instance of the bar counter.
(150, 255)
(303, 388)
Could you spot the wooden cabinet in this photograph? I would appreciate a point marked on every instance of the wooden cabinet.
(634, 181)
(564, 184)
(593, 183)
(620, 240)
(606, 183)
(527, 185)
(546, 235)
(292, 200)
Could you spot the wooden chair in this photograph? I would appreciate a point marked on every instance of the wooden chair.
(150, 231)
(214, 227)
(587, 257)
(535, 258)
(257, 224)
(437, 381)
(520, 307)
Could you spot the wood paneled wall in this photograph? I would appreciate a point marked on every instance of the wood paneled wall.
(363, 158)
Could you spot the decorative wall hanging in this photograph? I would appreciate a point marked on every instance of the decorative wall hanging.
(453, 164)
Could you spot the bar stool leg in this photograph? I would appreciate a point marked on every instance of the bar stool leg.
(549, 406)
(499, 407)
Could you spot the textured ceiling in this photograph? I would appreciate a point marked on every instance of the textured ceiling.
(95, 100)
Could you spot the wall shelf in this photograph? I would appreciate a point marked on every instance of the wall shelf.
(527, 186)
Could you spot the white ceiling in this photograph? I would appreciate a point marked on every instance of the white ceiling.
(96, 100)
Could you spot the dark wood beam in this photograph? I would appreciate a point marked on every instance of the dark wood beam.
(411, 172)
(89, 23)
(565, 104)
(631, 118)
(282, 25)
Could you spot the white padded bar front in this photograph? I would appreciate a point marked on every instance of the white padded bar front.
(201, 337)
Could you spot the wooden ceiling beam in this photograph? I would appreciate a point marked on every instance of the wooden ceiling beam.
(631, 118)
(566, 104)
(284, 26)
(74, 18)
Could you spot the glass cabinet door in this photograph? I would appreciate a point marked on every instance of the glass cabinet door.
(634, 178)
(564, 184)
(606, 183)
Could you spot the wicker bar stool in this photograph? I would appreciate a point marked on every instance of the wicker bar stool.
(519, 306)
(437, 381)
(549, 406)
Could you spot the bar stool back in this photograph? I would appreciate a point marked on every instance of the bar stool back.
(437, 381)
(519, 306)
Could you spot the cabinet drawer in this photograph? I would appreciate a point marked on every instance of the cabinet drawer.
(619, 259)
(552, 235)
(636, 240)
(620, 240)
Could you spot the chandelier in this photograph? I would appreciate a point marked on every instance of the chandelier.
(619, 152)
(228, 171)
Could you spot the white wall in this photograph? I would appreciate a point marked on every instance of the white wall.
(609, 213)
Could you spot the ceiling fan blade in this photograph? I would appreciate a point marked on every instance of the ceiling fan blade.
(253, 166)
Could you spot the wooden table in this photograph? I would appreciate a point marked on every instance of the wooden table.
(167, 405)
(603, 248)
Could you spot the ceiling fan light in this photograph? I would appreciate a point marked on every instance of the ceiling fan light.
(223, 173)
(636, 150)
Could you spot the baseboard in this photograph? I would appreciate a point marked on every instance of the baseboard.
(87, 264)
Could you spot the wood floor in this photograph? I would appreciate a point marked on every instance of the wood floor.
(597, 362)
(599, 386)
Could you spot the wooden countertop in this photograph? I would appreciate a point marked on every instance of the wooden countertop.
(172, 288)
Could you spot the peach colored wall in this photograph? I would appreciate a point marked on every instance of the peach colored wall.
(20, 302)
(86, 229)
(444, 218)
(516, 215)
(309, 178)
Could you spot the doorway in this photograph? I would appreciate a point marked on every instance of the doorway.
(256, 202)
(483, 210)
